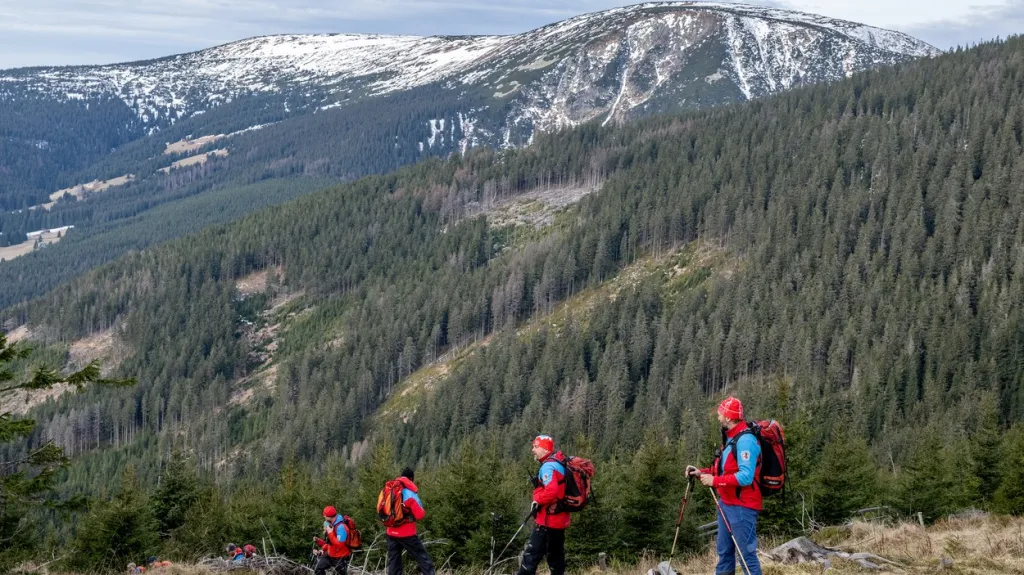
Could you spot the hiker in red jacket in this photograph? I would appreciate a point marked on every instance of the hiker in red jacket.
(548, 537)
(334, 553)
(404, 536)
(734, 476)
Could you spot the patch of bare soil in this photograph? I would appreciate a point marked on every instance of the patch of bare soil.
(256, 282)
(19, 333)
(103, 346)
(264, 382)
(536, 208)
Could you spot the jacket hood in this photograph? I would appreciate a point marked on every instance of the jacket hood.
(409, 484)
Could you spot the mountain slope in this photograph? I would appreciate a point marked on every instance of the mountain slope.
(866, 266)
(374, 102)
(614, 64)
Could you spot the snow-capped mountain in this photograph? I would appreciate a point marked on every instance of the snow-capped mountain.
(648, 56)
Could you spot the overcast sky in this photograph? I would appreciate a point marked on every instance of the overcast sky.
(55, 32)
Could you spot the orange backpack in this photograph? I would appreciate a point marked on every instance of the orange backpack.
(355, 538)
(390, 508)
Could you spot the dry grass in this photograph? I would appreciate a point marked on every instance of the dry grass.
(17, 250)
(81, 190)
(26, 247)
(976, 546)
(186, 145)
(193, 160)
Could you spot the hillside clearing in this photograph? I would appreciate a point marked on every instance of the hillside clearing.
(194, 160)
(675, 271)
(81, 190)
(36, 239)
(186, 145)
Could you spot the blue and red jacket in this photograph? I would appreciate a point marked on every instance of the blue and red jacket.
(412, 503)
(737, 469)
(550, 491)
(336, 545)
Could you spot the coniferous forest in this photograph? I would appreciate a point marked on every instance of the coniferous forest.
(846, 258)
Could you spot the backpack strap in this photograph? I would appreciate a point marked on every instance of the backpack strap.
(552, 459)
(733, 443)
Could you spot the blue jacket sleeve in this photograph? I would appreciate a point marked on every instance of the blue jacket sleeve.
(748, 450)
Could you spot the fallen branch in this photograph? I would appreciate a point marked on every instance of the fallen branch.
(264, 565)
(803, 550)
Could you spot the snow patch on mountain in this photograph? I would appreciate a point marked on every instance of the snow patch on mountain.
(604, 64)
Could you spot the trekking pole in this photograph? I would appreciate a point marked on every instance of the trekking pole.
(533, 512)
(739, 552)
(682, 508)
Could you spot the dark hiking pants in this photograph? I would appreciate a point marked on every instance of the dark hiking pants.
(325, 564)
(414, 547)
(544, 541)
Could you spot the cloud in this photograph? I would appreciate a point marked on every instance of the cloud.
(986, 24)
(58, 32)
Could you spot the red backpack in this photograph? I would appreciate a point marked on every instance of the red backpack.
(772, 439)
(355, 538)
(578, 492)
(390, 507)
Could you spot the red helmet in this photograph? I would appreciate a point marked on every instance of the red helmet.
(330, 511)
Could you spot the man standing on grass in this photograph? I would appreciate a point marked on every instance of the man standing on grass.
(548, 537)
(733, 476)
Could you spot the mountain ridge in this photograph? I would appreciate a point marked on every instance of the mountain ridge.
(166, 89)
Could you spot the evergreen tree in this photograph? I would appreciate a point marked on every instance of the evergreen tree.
(118, 531)
(845, 480)
(928, 483)
(1009, 497)
(646, 502)
(985, 449)
(27, 478)
(179, 489)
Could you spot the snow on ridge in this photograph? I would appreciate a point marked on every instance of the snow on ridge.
(762, 43)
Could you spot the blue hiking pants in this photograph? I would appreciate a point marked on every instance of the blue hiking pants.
(744, 528)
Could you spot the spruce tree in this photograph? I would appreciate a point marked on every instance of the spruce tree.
(985, 449)
(27, 479)
(117, 532)
(1009, 497)
(846, 479)
(179, 489)
(927, 483)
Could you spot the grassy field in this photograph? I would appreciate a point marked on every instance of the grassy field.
(979, 545)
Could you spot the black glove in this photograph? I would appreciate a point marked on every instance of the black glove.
(534, 481)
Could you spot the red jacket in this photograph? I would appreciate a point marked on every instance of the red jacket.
(550, 492)
(412, 503)
(737, 484)
(336, 545)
